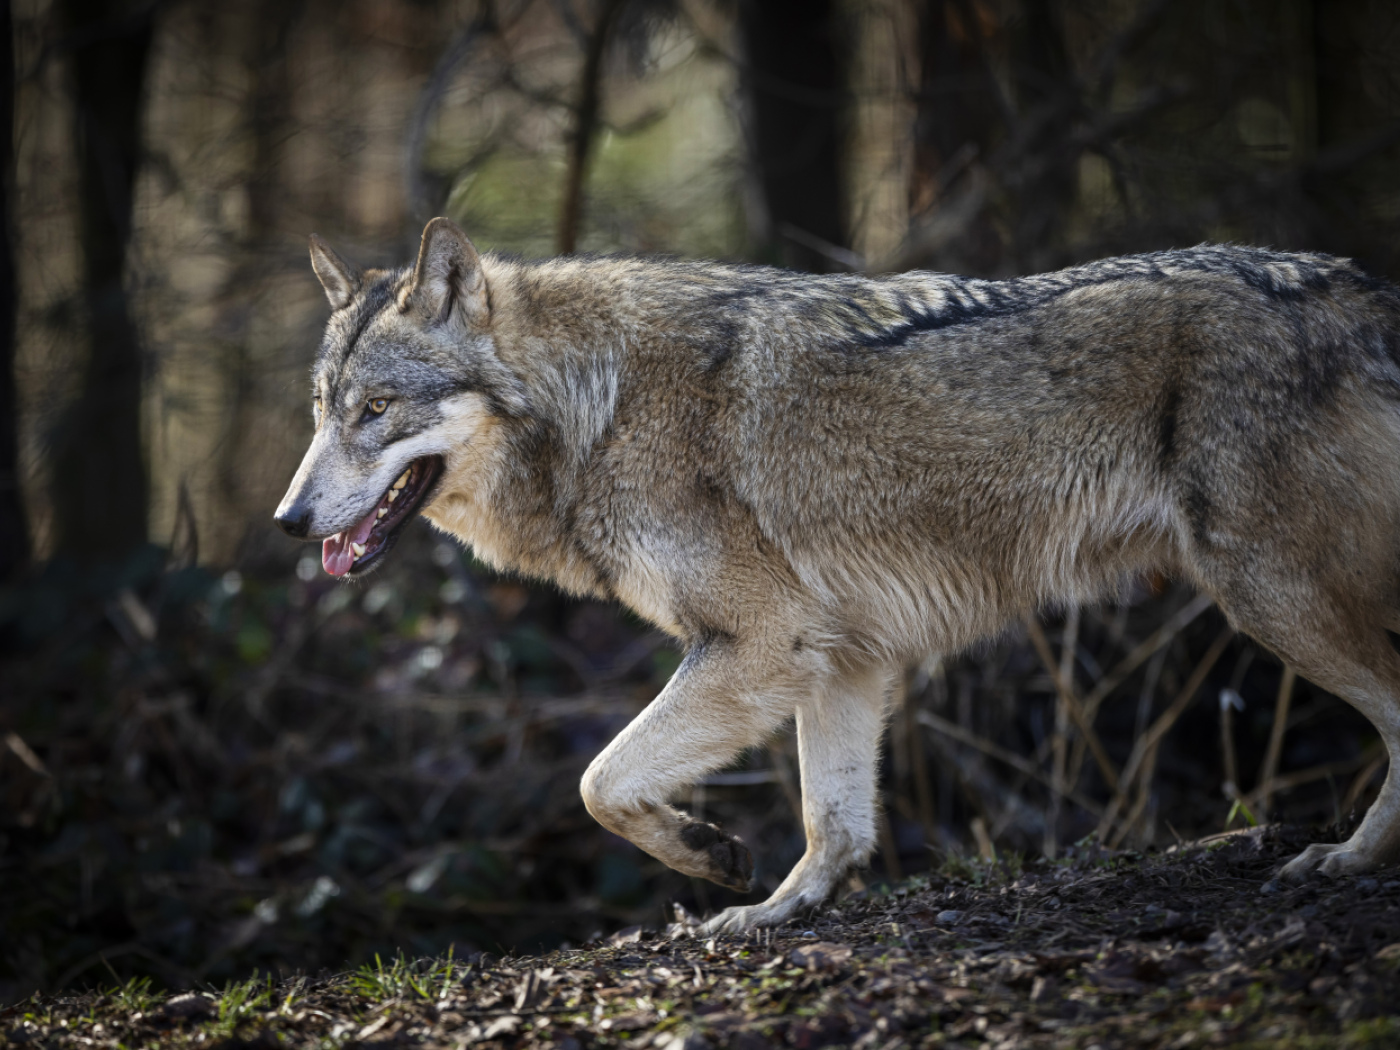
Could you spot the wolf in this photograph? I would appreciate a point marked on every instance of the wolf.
(811, 480)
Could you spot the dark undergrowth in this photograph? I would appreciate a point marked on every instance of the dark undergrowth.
(206, 775)
(1196, 947)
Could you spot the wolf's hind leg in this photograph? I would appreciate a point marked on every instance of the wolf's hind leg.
(1374, 690)
(838, 741)
(1339, 645)
(726, 696)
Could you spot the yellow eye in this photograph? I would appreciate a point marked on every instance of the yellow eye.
(378, 405)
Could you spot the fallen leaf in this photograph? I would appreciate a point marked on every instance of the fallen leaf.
(822, 955)
(500, 1026)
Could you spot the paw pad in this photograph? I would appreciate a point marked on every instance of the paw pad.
(730, 856)
(699, 836)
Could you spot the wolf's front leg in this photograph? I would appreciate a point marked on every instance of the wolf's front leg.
(838, 740)
(727, 696)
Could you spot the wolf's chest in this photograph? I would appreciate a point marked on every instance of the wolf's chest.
(645, 582)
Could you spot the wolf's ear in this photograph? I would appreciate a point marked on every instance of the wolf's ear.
(447, 276)
(340, 280)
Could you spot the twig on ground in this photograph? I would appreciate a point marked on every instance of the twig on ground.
(1059, 747)
(1230, 702)
(1015, 761)
(1314, 773)
(1155, 641)
(1269, 769)
(918, 762)
(1074, 705)
(1142, 761)
(1120, 672)
(1363, 779)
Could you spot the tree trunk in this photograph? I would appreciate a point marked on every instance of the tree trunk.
(795, 81)
(1046, 175)
(99, 470)
(14, 533)
(270, 116)
(585, 123)
(957, 126)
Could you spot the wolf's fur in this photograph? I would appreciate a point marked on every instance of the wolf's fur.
(810, 480)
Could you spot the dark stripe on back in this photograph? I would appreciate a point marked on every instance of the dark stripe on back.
(971, 301)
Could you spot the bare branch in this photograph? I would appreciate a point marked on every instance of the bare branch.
(590, 97)
(415, 178)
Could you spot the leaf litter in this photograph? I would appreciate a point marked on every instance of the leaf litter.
(1198, 946)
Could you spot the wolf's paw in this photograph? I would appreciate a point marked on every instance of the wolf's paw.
(729, 861)
(752, 916)
(1331, 860)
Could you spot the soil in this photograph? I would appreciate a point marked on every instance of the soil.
(1197, 946)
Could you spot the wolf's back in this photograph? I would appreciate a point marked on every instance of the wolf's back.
(901, 435)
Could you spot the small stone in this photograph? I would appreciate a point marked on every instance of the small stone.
(951, 915)
(630, 935)
(501, 1026)
(190, 1006)
(1218, 943)
(821, 956)
(682, 1041)
(1368, 885)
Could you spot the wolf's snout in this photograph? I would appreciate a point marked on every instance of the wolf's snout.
(295, 521)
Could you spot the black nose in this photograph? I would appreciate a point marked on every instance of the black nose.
(295, 523)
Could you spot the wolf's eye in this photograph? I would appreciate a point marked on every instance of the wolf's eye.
(378, 405)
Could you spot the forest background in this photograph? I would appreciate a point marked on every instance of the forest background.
(213, 758)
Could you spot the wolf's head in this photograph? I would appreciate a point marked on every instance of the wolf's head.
(406, 380)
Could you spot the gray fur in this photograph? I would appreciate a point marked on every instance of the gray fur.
(809, 480)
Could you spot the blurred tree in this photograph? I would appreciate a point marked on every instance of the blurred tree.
(1353, 112)
(794, 78)
(585, 121)
(99, 471)
(14, 533)
(1048, 104)
(957, 124)
(271, 125)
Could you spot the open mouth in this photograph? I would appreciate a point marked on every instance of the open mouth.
(353, 551)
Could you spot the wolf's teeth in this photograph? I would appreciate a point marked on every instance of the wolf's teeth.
(382, 511)
(393, 495)
(359, 549)
(403, 480)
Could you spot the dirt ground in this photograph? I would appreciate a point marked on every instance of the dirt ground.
(1197, 946)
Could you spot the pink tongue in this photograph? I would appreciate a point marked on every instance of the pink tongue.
(336, 555)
